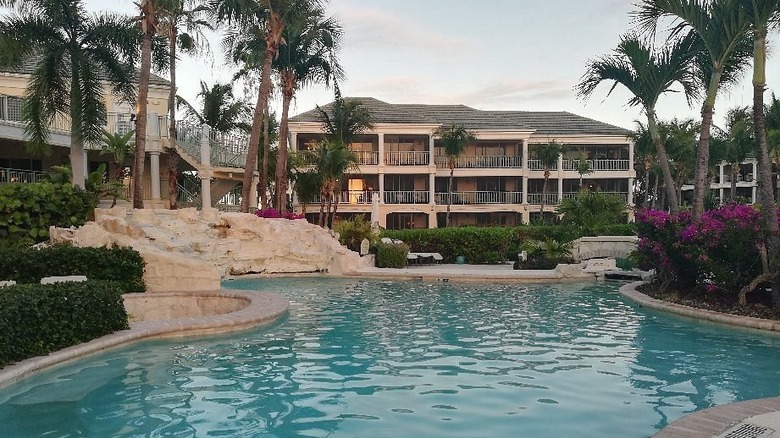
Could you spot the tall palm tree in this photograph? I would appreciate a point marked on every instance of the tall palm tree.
(119, 146)
(147, 21)
(647, 74)
(75, 54)
(267, 18)
(679, 137)
(219, 110)
(737, 142)
(721, 30)
(183, 24)
(644, 152)
(548, 154)
(343, 122)
(455, 139)
(761, 14)
(308, 55)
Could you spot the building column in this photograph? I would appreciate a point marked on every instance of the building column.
(526, 172)
(205, 160)
(630, 198)
(431, 148)
(381, 150)
(432, 222)
(154, 173)
(253, 201)
(381, 188)
(560, 186)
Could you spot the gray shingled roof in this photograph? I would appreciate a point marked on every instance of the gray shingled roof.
(28, 67)
(541, 122)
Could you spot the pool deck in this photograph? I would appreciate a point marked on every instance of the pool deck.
(748, 419)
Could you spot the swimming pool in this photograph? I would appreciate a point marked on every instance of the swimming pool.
(409, 359)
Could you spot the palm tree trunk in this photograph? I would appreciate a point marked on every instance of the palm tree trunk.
(321, 217)
(449, 198)
(140, 121)
(663, 160)
(655, 192)
(703, 150)
(336, 197)
(261, 109)
(646, 182)
(281, 153)
(327, 209)
(766, 194)
(173, 155)
(77, 164)
(734, 173)
(264, 186)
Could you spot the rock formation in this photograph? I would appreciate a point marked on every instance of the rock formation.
(189, 249)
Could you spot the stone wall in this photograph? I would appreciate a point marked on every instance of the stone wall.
(190, 249)
(586, 248)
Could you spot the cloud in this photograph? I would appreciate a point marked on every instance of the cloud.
(375, 28)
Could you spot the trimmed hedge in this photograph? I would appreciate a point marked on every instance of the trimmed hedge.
(122, 265)
(27, 210)
(490, 245)
(38, 319)
(391, 255)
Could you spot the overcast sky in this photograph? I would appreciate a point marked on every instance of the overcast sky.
(489, 54)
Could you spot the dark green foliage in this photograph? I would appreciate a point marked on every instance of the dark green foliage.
(592, 211)
(38, 319)
(491, 244)
(546, 254)
(27, 210)
(121, 265)
(353, 231)
(391, 255)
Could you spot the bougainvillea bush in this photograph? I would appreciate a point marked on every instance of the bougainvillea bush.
(719, 254)
(272, 213)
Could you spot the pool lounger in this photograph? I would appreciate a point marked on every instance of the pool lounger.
(424, 257)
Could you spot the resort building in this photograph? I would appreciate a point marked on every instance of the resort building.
(745, 187)
(497, 181)
(220, 170)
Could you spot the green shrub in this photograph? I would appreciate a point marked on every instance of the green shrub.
(545, 254)
(27, 210)
(122, 265)
(391, 255)
(353, 231)
(592, 211)
(37, 319)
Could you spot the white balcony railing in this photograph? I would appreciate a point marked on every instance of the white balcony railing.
(480, 197)
(407, 197)
(355, 197)
(537, 165)
(367, 158)
(407, 158)
(481, 162)
(15, 175)
(599, 165)
(549, 198)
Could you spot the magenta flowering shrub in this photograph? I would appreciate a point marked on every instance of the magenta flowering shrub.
(718, 254)
(272, 213)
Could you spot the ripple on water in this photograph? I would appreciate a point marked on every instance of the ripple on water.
(386, 359)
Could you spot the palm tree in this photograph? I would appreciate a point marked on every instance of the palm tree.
(343, 122)
(220, 111)
(119, 147)
(74, 54)
(737, 142)
(455, 139)
(720, 28)
(183, 24)
(548, 154)
(644, 152)
(266, 18)
(148, 21)
(647, 74)
(583, 166)
(306, 56)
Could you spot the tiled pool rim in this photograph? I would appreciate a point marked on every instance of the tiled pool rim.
(262, 308)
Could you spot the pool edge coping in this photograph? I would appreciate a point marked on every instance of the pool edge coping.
(264, 308)
(714, 421)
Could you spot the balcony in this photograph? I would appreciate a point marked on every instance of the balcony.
(366, 158)
(549, 198)
(481, 162)
(407, 158)
(537, 165)
(480, 197)
(407, 197)
(598, 165)
(16, 175)
(357, 197)
(570, 195)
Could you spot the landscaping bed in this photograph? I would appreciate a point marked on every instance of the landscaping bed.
(757, 307)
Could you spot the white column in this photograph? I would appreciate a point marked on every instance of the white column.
(432, 189)
(205, 176)
(381, 185)
(560, 185)
(152, 127)
(381, 149)
(526, 172)
(154, 173)
(630, 199)
(253, 200)
(431, 149)
(86, 164)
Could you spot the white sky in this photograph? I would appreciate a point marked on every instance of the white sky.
(489, 54)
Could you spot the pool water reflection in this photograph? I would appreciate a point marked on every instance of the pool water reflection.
(413, 359)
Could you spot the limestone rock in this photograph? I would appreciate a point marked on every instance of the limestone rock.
(189, 249)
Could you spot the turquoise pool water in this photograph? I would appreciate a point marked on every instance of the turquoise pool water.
(412, 359)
